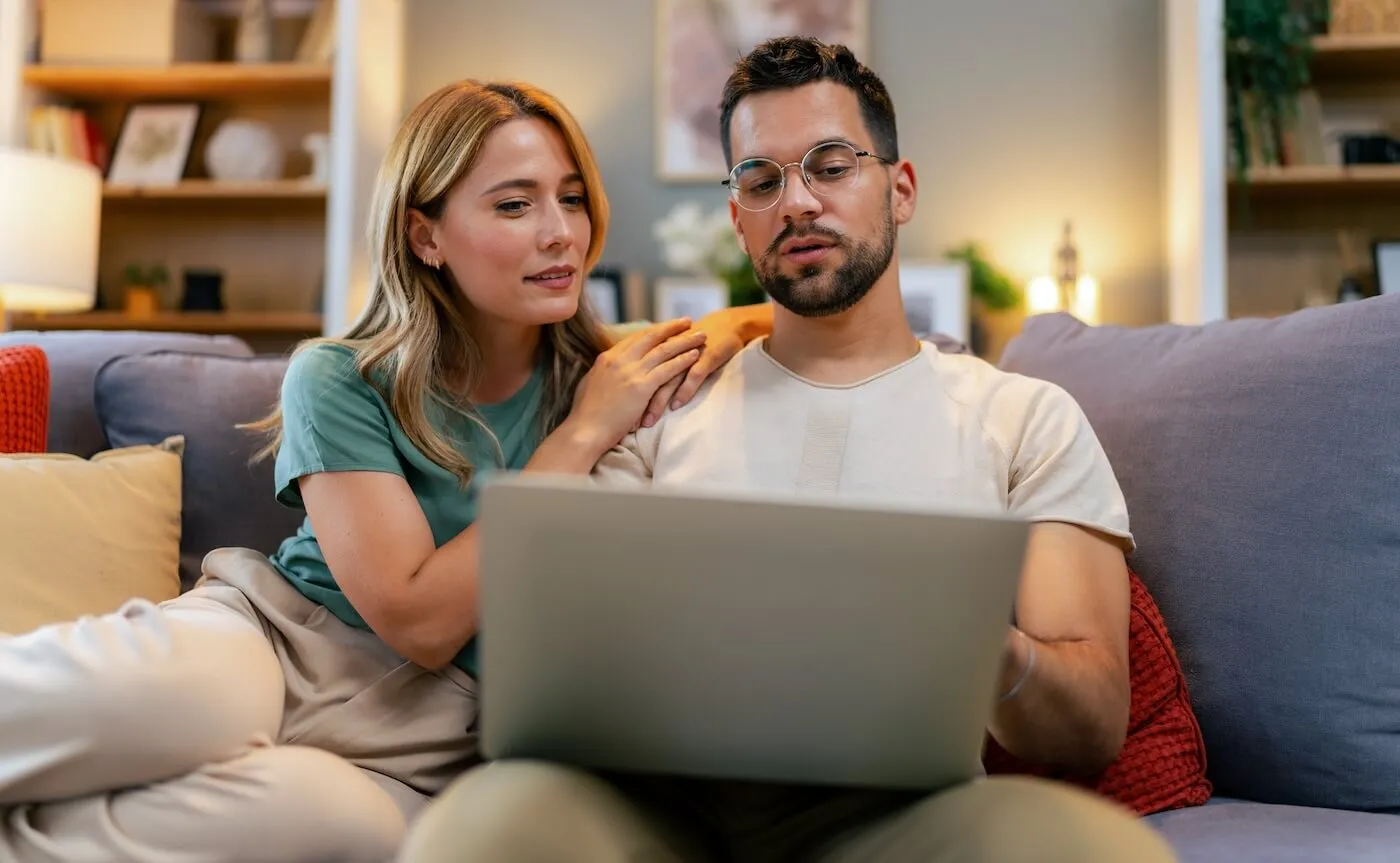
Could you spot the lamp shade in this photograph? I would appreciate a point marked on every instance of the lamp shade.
(50, 212)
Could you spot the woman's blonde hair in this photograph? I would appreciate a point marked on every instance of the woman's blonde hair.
(412, 333)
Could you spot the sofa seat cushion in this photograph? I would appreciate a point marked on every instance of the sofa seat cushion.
(83, 536)
(74, 358)
(1163, 762)
(24, 399)
(1234, 831)
(1259, 459)
(147, 397)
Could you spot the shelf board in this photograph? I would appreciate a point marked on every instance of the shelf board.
(1313, 179)
(271, 190)
(184, 81)
(216, 323)
(1364, 56)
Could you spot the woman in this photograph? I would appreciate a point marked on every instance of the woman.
(301, 707)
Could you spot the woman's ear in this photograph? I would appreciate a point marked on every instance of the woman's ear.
(422, 239)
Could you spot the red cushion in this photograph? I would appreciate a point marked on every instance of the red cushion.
(1163, 762)
(24, 399)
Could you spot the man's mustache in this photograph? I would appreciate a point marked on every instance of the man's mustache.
(795, 231)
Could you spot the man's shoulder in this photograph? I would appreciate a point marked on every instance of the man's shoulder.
(1006, 402)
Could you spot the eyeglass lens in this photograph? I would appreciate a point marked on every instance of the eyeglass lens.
(756, 184)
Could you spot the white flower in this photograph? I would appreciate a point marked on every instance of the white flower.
(698, 243)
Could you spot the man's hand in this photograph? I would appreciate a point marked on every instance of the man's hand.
(727, 331)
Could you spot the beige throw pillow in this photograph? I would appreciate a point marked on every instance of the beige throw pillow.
(82, 536)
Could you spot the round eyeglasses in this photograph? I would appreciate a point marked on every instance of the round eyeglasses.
(827, 169)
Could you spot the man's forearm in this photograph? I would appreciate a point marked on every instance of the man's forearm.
(1070, 709)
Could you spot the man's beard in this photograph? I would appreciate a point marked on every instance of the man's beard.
(813, 294)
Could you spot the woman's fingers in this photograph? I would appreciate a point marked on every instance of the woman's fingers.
(663, 396)
(672, 347)
(673, 367)
(641, 342)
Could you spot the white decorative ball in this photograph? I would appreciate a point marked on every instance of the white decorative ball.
(244, 150)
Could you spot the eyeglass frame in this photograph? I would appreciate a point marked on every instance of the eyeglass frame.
(782, 171)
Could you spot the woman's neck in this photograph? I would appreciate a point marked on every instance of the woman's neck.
(509, 353)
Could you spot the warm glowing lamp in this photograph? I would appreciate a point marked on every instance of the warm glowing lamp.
(1069, 290)
(50, 211)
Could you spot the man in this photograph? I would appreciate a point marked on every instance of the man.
(842, 399)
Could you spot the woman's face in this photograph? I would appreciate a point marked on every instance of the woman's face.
(515, 230)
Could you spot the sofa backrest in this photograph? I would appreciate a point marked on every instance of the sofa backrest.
(1261, 464)
(75, 357)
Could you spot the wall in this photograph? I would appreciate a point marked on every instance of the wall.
(1017, 114)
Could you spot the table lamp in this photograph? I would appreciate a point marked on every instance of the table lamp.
(50, 212)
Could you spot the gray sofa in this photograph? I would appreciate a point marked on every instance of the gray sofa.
(1263, 478)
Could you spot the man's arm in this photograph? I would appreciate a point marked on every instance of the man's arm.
(1068, 664)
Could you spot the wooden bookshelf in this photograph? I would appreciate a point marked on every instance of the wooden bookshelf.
(197, 189)
(1356, 57)
(281, 81)
(219, 323)
(1315, 179)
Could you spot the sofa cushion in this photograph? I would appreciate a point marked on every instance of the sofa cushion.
(83, 536)
(1163, 762)
(1259, 460)
(1234, 831)
(74, 358)
(24, 399)
(228, 500)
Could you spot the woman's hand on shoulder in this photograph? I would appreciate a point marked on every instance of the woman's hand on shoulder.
(611, 401)
(727, 332)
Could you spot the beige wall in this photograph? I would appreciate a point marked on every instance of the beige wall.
(1017, 114)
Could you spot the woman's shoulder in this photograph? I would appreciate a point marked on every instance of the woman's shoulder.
(323, 367)
(322, 358)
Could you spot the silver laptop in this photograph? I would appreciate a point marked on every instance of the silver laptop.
(740, 635)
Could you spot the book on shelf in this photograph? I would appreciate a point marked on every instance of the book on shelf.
(67, 132)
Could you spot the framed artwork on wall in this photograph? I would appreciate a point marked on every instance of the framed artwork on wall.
(937, 298)
(605, 294)
(697, 42)
(687, 297)
(153, 146)
(1386, 254)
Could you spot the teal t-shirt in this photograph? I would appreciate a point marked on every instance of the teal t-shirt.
(334, 420)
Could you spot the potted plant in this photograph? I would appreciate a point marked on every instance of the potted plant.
(1268, 54)
(991, 288)
(141, 286)
(704, 244)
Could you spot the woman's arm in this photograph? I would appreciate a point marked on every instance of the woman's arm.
(422, 599)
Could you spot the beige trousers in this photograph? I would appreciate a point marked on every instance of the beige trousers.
(239, 722)
(530, 812)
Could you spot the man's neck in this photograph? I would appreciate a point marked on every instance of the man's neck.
(860, 342)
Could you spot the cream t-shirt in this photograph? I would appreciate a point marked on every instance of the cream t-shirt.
(948, 431)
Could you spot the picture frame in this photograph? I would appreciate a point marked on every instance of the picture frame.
(937, 298)
(1385, 254)
(686, 297)
(154, 143)
(604, 288)
(696, 44)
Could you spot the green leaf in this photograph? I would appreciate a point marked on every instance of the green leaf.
(989, 284)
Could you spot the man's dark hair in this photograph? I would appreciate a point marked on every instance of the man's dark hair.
(791, 61)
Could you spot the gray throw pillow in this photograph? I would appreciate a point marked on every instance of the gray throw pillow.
(227, 501)
(74, 358)
(1261, 464)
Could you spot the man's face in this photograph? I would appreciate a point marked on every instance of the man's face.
(816, 251)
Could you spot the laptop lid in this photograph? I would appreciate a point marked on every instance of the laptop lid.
(740, 635)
